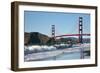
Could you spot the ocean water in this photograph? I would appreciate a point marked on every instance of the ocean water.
(68, 56)
(47, 53)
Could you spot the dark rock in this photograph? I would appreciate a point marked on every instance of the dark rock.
(35, 38)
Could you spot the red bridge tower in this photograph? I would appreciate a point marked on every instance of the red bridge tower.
(80, 30)
(53, 31)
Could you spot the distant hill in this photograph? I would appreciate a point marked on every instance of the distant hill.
(74, 40)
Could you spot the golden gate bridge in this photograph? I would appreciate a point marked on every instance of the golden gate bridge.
(80, 32)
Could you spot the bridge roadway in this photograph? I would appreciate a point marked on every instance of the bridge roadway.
(73, 35)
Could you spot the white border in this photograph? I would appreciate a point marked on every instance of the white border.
(23, 64)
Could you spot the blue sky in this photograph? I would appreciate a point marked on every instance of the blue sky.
(65, 23)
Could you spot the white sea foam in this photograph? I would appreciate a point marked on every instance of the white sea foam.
(36, 47)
